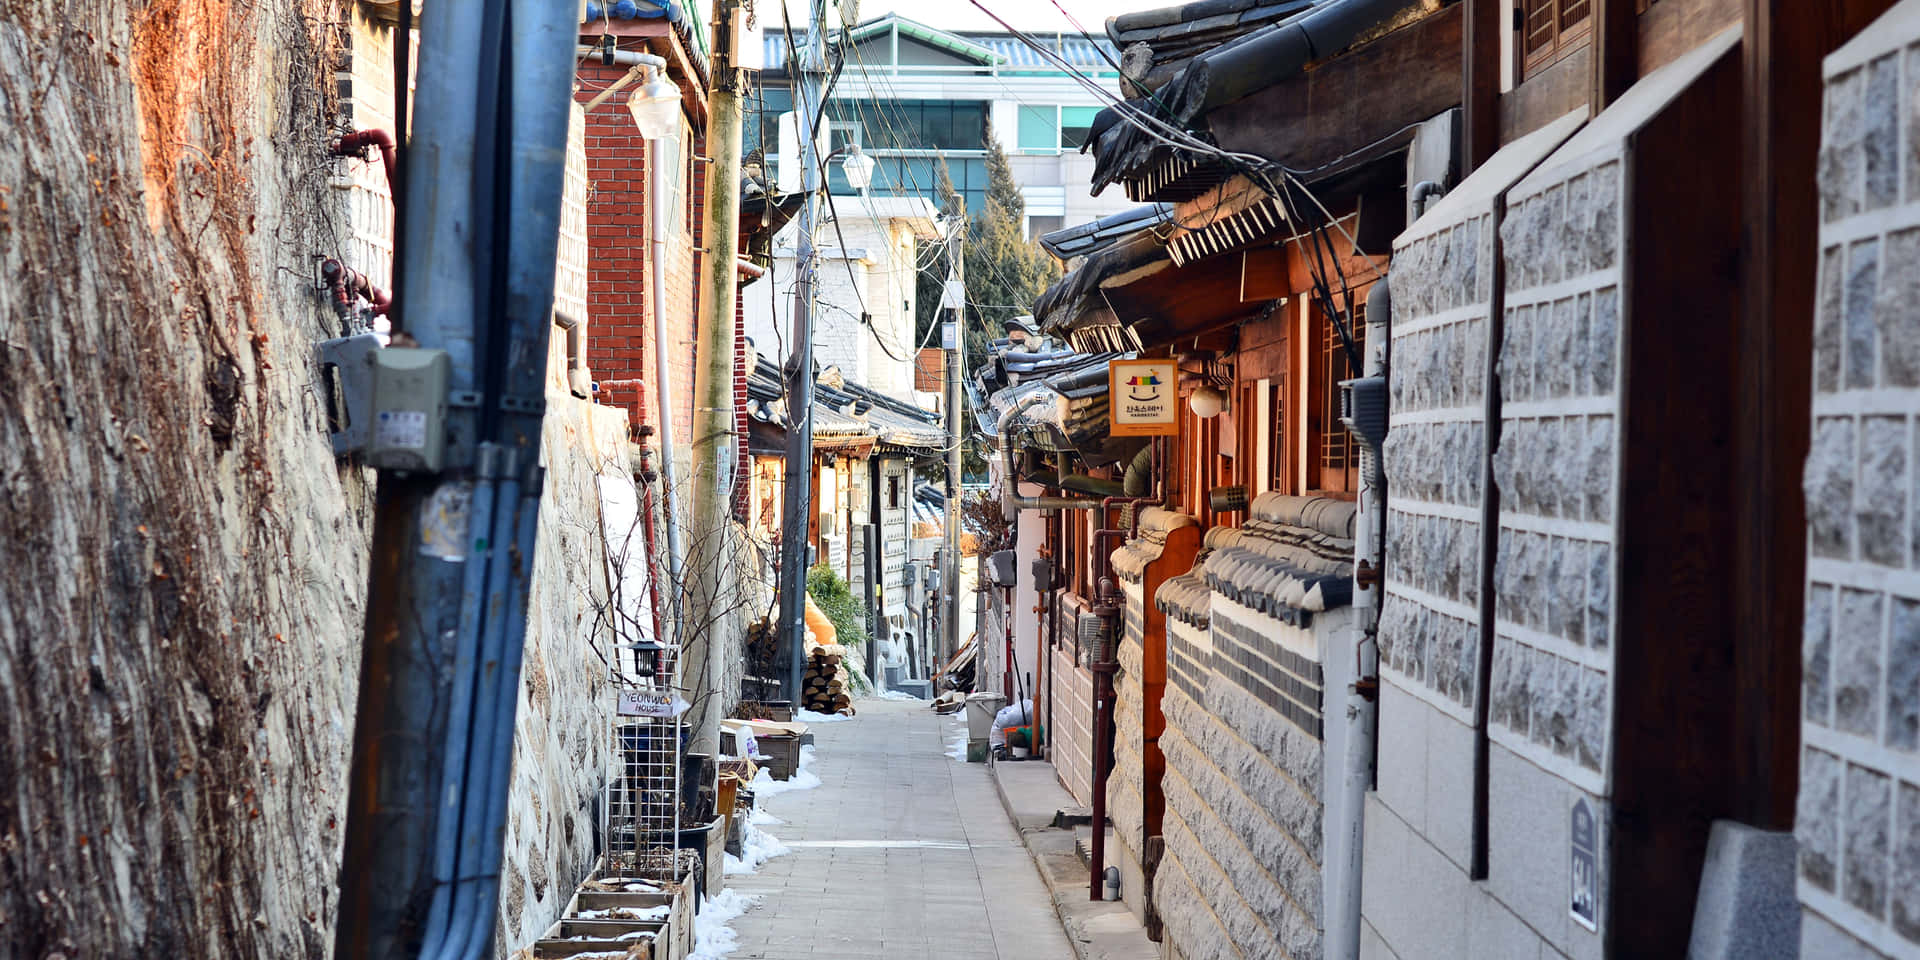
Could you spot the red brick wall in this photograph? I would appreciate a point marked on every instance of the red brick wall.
(742, 467)
(620, 285)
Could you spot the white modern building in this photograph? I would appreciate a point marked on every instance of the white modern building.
(913, 97)
(864, 285)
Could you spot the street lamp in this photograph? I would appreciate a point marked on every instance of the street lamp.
(858, 167)
(655, 106)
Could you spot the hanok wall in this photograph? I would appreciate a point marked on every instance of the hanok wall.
(1249, 632)
(1859, 807)
(1501, 777)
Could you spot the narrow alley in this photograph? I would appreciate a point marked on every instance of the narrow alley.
(902, 851)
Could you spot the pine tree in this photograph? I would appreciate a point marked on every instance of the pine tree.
(1004, 271)
(932, 278)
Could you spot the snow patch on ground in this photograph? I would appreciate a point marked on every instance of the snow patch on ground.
(761, 818)
(756, 847)
(713, 934)
(900, 695)
(957, 747)
(809, 716)
(764, 785)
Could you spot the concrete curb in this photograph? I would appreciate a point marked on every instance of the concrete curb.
(1121, 937)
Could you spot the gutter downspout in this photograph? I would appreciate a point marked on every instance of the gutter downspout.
(660, 199)
(1346, 835)
(1011, 503)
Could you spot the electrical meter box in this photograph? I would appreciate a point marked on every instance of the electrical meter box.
(409, 431)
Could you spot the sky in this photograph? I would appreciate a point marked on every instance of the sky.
(1029, 15)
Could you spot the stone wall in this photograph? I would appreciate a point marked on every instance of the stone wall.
(181, 595)
(1249, 629)
(1126, 787)
(1071, 713)
(1548, 672)
(1859, 808)
(1241, 873)
(182, 625)
(562, 733)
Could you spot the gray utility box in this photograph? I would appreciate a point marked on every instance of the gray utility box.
(409, 429)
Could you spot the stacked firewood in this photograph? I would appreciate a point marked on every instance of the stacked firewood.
(826, 686)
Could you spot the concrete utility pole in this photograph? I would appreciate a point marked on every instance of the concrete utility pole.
(459, 492)
(797, 502)
(710, 584)
(953, 302)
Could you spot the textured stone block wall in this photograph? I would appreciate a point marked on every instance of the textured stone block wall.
(1071, 690)
(1555, 467)
(1241, 873)
(1859, 808)
(1429, 625)
(1126, 797)
(562, 734)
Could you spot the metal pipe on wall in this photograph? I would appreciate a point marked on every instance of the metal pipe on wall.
(660, 198)
(1346, 820)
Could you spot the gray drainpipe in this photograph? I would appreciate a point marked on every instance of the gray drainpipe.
(1345, 820)
(1011, 503)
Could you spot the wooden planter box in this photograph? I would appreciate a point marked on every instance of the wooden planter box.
(782, 753)
(571, 938)
(675, 942)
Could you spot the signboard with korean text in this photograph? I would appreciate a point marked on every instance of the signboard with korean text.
(1144, 397)
(1585, 899)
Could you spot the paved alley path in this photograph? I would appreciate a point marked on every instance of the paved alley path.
(901, 852)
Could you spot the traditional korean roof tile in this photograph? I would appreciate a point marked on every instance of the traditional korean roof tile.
(1230, 71)
(1090, 238)
(848, 412)
(1074, 300)
(684, 15)
(1154, 44)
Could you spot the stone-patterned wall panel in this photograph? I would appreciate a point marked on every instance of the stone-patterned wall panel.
(1125, 799)
(1555, 466)
(1072, 715)
(1442, 292)
(1859, 807)
(1242, 836)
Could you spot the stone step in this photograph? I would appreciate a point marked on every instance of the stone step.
(1072, 816)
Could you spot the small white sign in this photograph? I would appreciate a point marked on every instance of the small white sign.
(1143, 398)
(949, 338)
(641, 703)
(401, 428)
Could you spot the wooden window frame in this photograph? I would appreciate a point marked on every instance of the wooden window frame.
(1333, 455)
(1568, 26)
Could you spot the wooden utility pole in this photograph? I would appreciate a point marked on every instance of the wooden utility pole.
(953, 303)
(797, 500)
(710, 584)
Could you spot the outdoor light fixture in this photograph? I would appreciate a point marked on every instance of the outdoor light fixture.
(858, 167)
(1206, 402)
(656, 106)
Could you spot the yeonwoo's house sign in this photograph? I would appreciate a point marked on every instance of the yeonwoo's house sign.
(1144, 397)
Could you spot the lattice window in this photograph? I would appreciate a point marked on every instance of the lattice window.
(1338, 454)
(1550, 29)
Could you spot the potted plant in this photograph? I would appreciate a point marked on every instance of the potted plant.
(1020, 743)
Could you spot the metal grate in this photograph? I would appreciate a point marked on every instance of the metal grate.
(641, 815)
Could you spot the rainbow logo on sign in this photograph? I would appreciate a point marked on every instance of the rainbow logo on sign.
(1147, 382)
